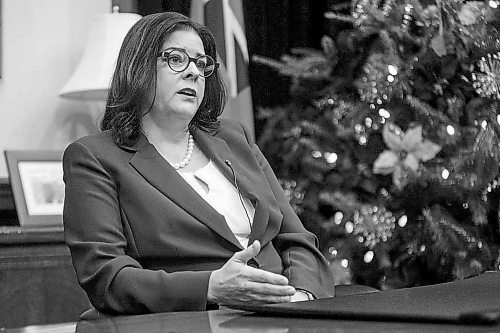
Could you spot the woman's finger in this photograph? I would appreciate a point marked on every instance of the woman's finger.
(268, 289)
(260, 275)
(268, 299)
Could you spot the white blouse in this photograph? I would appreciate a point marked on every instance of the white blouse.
(220, 193)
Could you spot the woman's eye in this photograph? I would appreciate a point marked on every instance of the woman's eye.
(175, 59)
(201, 63)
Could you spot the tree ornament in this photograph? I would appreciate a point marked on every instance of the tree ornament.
(487, 82)
(405, 152)
(380, 81)
(373, 224)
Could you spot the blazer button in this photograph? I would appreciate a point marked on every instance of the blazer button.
(253, 263)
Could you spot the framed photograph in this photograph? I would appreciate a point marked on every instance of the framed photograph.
(36, 178)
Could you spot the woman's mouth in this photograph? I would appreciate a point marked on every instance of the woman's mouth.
(187, 92)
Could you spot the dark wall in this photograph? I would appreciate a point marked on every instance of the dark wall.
(273, 28)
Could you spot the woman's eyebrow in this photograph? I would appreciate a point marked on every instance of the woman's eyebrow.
(181, 49)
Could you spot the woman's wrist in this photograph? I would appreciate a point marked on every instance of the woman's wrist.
(302, 295)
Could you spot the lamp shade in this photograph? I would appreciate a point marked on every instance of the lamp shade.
(92, 76)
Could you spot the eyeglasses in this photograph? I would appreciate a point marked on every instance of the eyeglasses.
(178, 60)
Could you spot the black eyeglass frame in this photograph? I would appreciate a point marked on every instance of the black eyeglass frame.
(165, 55)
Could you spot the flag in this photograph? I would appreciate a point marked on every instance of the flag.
(225, 20)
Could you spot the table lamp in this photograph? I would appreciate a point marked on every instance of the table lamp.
(92, 77)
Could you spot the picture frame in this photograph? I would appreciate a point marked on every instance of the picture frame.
(36, 178)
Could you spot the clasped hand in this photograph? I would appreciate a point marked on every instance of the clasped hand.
(236, 283)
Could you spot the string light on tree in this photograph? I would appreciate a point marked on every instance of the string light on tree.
(450, 130)
(384, 113)
(407, 16)
(359, 14)
(368, 257)
(493, 185)
(330, 157)
(361, 134)
(323, 103)
(387, 7)
(402, 221)
(294, 193)
(337, 218)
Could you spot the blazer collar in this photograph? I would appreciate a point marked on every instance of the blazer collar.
(218, 151)
(159, 173)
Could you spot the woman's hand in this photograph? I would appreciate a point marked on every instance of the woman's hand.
(237, 283)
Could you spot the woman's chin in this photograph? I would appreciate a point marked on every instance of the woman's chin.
(186, 113)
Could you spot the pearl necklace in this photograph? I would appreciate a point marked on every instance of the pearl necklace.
(188, 156)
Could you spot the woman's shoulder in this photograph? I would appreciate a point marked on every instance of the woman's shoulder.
(98, 144)
(231, 128)
(101, 140)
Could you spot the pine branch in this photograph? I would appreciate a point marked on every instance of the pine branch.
(306, 68)
(339, 17)
(270, 129)
(389, 45)
(427, 110)
(341, 6)
(344, 202)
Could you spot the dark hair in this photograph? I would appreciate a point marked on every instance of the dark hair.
(135, 77)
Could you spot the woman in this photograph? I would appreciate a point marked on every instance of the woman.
(168, 209)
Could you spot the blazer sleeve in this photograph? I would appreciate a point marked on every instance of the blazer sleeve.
(114, 281)
(304, 265)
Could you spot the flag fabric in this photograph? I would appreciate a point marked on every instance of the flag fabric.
(225, 19)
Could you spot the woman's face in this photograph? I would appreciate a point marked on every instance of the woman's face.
(179, 94)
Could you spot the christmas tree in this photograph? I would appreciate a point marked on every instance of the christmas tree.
(389, 148)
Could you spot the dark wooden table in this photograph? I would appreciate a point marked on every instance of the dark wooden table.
(222, 321)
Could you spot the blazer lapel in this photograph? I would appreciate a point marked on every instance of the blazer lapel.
(159, 173)
(218, 151)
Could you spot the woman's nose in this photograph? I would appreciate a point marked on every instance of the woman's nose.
(192, 70)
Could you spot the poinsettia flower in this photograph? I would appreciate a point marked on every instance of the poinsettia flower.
(406, 151)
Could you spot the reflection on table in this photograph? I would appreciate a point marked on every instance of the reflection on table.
(225, 321)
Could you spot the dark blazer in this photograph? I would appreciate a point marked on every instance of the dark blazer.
(142, 240)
